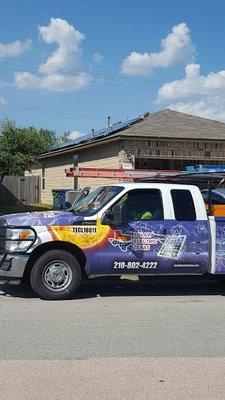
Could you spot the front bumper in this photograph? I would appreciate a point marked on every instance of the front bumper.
(12, 267)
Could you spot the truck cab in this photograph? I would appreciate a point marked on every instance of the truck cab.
(130, 228)
(151, 232)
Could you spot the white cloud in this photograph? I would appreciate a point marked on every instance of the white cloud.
(54, 82)
(197, 94)
(74, 135)
(14, 49)
(97, 57)
(193, 84)
(68, 54)
(212, 109)
(62, 71)
(176, 47)
(3, 102)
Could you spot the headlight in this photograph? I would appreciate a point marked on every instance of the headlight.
(19, 240)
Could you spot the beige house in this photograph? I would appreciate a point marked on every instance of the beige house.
(163, 140)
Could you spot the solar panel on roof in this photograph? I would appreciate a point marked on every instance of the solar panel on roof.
(101, 132)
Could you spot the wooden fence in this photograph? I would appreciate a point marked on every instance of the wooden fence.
(20, 190)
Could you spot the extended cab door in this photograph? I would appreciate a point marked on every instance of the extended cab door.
(162, 232)
(189, 231)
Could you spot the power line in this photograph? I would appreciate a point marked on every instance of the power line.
(66, 113)
(124, 81)
(74, 114)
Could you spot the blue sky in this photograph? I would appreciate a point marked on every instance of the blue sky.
(77, 62)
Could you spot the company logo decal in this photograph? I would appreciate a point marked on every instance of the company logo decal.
(171, 246)
(122, 240)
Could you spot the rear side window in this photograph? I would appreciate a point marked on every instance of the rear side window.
(183, 204)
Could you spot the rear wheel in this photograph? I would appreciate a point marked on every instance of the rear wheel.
(56, 275)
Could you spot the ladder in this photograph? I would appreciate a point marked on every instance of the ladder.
(121, 173)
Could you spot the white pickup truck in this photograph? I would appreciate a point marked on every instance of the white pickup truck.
(136, 228)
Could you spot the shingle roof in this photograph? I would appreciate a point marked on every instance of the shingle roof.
(162, 124)
(174, 124)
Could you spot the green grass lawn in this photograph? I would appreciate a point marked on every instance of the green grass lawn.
(23, 208)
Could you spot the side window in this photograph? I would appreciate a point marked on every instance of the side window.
(183, 204)
(142, 205)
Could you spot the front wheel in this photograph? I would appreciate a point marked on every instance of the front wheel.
(56, 275)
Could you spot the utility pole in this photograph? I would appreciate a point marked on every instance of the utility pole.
(75, 165)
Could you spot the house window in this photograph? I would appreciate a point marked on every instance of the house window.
(43, 177)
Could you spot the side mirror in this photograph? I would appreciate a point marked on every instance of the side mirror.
(112, 216)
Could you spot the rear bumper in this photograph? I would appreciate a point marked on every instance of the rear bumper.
(12, 267)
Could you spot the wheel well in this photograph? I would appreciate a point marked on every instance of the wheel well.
(71, 248)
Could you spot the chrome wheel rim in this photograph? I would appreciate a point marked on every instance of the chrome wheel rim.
(57, 275)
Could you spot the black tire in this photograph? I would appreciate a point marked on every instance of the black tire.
(56, 262)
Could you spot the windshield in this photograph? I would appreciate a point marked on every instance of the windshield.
(97, 199)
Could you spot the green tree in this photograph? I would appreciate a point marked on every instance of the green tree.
(49, 138)
(20, 147)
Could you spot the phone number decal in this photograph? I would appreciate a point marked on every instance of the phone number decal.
(135, 265)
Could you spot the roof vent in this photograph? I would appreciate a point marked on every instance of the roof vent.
(145, 115)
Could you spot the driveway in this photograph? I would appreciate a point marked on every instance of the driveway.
(160, 338)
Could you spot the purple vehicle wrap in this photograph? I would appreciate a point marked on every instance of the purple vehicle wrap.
(139, 247)
(156, 247)
(220, 246)
(43, 218)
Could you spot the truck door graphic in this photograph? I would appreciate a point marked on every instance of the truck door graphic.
(173, 246)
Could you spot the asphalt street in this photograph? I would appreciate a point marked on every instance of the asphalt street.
(160, 338)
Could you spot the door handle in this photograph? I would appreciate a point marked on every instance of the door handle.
(164, 231)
